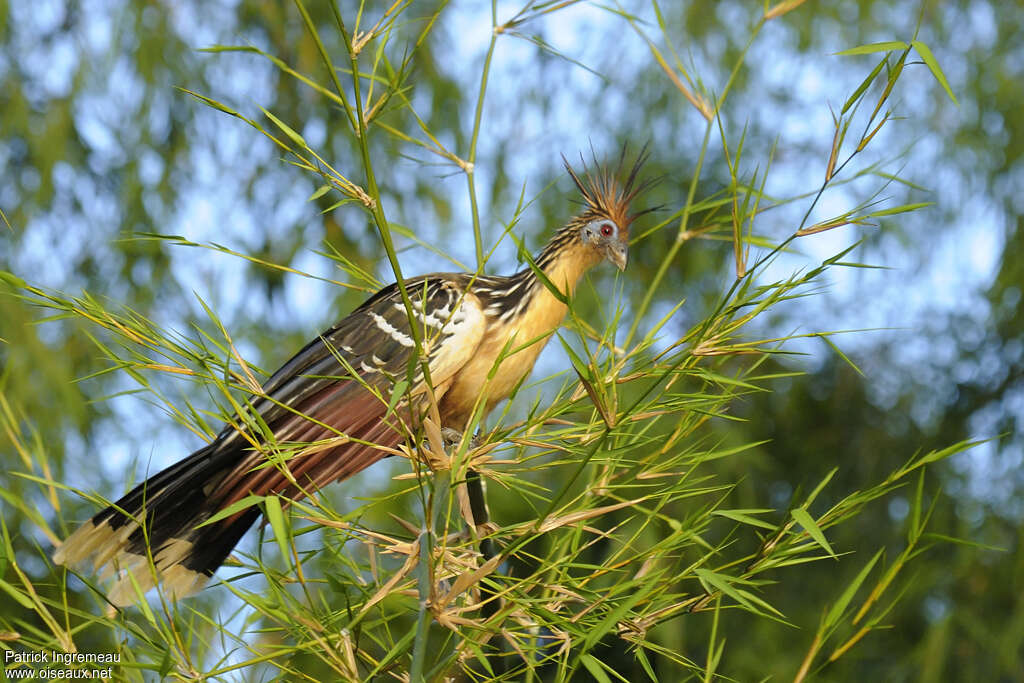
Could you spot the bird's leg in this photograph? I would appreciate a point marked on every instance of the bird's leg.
(490, 602)
(453, 437)
(474, 490)
(481, 516)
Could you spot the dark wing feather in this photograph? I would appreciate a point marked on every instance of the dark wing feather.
(340, 383)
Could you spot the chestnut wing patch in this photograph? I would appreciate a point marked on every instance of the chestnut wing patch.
(336, 390)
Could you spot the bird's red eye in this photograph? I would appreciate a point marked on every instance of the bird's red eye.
(607, 229)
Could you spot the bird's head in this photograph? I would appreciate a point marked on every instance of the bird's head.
(607, 239)
(603, 226)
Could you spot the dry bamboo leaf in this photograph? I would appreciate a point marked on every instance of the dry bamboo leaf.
(469, 579)
(410, 563)
(573, 517)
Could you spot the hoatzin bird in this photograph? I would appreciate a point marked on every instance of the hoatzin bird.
(479, 337)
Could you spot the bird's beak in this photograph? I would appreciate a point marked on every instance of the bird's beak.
(618, 252)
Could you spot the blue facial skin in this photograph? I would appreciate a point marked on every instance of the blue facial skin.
(604, 235)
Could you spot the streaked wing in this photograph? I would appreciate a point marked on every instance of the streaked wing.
(340, 383)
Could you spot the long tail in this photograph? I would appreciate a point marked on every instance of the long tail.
(160, 519)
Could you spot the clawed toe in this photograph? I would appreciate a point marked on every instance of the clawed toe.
(453, 437)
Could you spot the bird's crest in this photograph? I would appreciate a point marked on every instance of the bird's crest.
(604, 194)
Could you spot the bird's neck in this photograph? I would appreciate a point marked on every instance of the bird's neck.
(541, 311)
(563, 261)
(566, 269)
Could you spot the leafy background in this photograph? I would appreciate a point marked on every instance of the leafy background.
(100, 145)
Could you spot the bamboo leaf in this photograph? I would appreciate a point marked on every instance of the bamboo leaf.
(827, 339)
(903, 208)
(871, 48)
(852, 99)
(746, 517)
(319, 192)
(233, 509)
(17, 595)
(279, 525)
(835, 613)
(933, 65)
(594, 667)
(286, 129)
(811, 527)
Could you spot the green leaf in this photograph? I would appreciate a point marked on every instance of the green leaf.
(722, 379)
(933, 64)
(645, 663)
(212, 102)
(287, 130)
(319, 192)
(526, 257)
(595, 669)
(18, 596)
(12, 279)
(807, 522)
(411, 235)
(945, 538)
(396, 394)
(915, 527)
(903, 208)
(897, 179)
(636, 593)
(827, 340)
(140, 597)
(836, 611)
(934, 456)
(279, 525)
(166, 664)
(582, 369)
(721, 582)
(335, 205)
(870, 48)
(232, 509)
(818, 489)
(744, 517)
(863, 86)
(400, 648)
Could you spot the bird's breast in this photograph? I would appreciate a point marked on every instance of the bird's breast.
(505, 356)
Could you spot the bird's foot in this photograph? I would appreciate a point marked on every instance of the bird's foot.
(453, 437)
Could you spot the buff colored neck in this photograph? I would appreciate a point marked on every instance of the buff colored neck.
(566, 270)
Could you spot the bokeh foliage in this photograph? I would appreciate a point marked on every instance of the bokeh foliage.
(100, 146)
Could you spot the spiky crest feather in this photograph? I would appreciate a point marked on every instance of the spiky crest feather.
(603, 194)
